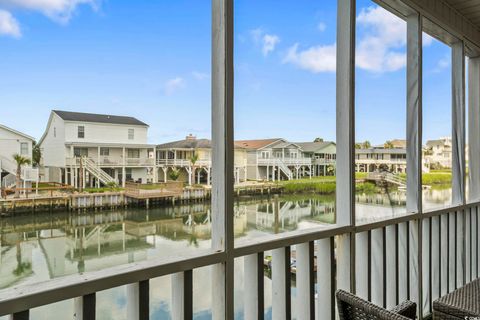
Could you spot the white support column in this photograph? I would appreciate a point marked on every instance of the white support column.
(458, 124)
(124, 171)
(473, 129)
(345, 130)
(458, 153)
(222, 158)
(414, 154)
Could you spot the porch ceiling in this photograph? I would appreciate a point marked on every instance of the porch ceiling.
(470, 9)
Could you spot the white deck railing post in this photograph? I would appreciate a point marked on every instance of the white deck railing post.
(305, 309)
(253, 287)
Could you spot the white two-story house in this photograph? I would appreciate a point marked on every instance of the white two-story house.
(112, 149)
(13, 142)
(439, 153)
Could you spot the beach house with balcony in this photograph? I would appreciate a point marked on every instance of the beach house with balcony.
(375, 159)
(323, 155)
(109, 149)
(14, 142)
(275, 159)
(439, 152)
(192, 158)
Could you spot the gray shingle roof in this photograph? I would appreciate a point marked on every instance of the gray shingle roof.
(99, 118)
(382, 150)
(313, 146)
(187, 144)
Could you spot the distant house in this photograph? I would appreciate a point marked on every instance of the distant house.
(275, 159)
(439, 152)
(323, 155)
(12, 142)
(178, 155)
(113, 149)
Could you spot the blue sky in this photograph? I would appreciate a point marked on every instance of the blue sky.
(151, 59)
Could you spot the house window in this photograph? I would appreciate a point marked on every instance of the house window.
(80, 152)
(171, 154)
(54, 132)
(133, 153)
(131, 134)
(24, 148)
(265, 155)
(128, 174)
(104, 151)
(81, 132)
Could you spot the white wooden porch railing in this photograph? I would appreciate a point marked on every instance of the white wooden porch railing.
(440, 247)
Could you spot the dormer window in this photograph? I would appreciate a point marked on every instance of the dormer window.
(81, 132)
(131, 134)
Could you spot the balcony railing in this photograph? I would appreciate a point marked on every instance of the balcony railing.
(114, 161)
(183, 162)
(286, 161)
(381, 161)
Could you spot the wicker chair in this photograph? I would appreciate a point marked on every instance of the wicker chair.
(351, 307)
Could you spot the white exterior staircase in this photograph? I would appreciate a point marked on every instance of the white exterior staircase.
(97, 172)
(283, 167)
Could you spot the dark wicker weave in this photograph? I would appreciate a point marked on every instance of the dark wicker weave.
(462, 303)
(351, 307)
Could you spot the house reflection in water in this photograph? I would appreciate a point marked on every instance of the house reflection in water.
(42, 246)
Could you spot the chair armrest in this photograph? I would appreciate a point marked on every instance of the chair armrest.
(407, 309)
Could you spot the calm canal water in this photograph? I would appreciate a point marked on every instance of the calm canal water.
(35, 248)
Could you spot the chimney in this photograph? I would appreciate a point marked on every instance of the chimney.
(191, 137)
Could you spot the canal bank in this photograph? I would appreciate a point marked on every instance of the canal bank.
(122, 199)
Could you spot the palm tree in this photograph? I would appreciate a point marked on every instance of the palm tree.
(21, 161)
(366, 144)
(174, 174)
(388, 145)
(358, 146)
(193, 160)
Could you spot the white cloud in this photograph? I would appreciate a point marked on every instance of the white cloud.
(172, 85)
(58, 10)
(442, 64)
(381, 42)
(382, 46)
(267, 41)
(315, 59)
(322, 27)
(9, 25)
(200, 75)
